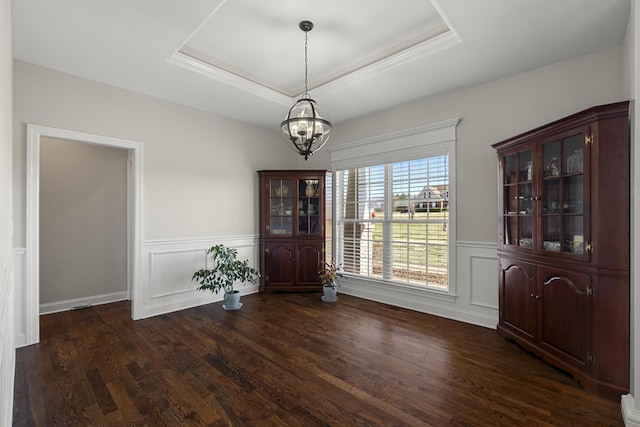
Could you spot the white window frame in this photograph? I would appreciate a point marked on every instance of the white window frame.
(415, 143)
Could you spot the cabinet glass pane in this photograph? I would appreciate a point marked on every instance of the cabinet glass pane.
(525, 166)
(573, 234)
(281, 225)
(572, 197)
(563, 195)
(308, 225)
(573, 154)
(308, 188)
(309, 206)
(525, 231)
(551, 161)
(551, 196)
(511, 199)
(281, 206)
(525, 202)
(510, 164)
(551, 233)
(280, 188)
(510, 230)
(518, 198)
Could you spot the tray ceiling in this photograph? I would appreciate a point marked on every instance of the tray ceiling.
(244, 59)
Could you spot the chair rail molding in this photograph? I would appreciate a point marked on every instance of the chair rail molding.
(168, 265)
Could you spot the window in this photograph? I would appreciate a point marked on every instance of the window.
(394, 219)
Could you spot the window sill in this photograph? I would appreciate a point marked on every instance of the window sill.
(394, 290)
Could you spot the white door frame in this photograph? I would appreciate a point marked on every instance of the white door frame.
(134, 218)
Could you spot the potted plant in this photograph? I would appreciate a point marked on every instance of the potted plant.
(226, 270)
(328, 276)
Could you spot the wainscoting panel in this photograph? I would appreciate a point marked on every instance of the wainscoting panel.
(19, 298)
(478, 266)
(475, 299)
(168, 265)
(7, 349)
(170, 271)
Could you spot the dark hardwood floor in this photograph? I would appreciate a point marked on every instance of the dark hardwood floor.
(289, 360)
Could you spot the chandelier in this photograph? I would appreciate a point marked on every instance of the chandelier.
(306, 128)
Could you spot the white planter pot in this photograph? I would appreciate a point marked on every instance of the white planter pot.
(232, 301)
(329, 293)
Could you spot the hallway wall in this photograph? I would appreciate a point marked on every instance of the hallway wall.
(83, 223)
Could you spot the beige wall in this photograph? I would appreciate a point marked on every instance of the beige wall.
(199, 173)
(6, 187)
(490, 113)
(199, 170)
(83, 220)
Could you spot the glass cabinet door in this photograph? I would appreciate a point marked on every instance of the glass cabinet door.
(309, 206)
(281, 206)
(563, 219)
(518, 199)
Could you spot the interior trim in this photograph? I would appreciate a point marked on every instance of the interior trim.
(186, 59)
(134, 220)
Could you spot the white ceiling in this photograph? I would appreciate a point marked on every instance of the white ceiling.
(244, 59)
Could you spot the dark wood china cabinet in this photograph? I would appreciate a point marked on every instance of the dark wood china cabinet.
(564, 245)
(292, 229)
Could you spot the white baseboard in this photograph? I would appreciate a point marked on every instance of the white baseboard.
(630, 414)
(72, 304)
(20, 340)
(419, 301)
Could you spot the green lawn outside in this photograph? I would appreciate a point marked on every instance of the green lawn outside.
(411, 238)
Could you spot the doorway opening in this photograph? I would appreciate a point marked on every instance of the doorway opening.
(35, 134)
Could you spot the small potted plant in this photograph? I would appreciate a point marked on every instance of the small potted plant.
(328, 276)
(226, 270)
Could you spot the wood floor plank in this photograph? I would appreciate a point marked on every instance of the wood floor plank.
(289, 360)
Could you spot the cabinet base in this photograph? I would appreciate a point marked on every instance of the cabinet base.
(589, 383)
(291, 289)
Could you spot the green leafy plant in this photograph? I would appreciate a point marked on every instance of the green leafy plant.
(226, 270)
(330, 273)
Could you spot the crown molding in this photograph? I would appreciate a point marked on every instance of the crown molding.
(417, 52)
(203, 68)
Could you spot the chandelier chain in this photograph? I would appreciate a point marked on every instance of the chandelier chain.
(306, 66)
